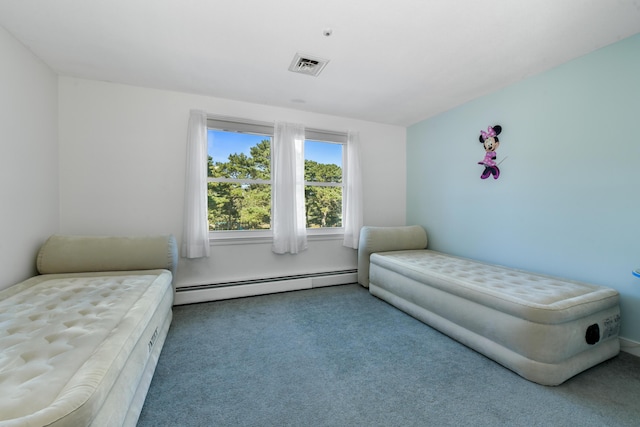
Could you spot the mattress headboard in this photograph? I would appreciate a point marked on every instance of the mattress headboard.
(383, 239)
(83, 254)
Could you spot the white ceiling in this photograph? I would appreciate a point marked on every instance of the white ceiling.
(394, 62)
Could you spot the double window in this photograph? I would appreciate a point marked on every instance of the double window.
(240, 179)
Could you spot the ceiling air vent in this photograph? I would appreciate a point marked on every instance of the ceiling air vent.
(305, 64)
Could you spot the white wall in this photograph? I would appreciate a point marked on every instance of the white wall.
(28, 158)
(566, 202)
(122, 166)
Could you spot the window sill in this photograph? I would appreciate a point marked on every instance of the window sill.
(223, 238)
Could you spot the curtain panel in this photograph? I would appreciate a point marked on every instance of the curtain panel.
(353, 216)
(195, 237)
(288, 217)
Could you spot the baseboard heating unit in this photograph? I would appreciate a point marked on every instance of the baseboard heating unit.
(243, 288)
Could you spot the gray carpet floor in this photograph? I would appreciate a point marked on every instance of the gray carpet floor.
(338, 356)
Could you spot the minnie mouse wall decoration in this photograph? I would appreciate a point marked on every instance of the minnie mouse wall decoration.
(490, 142)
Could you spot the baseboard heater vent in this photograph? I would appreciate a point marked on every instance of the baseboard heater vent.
(242, 288)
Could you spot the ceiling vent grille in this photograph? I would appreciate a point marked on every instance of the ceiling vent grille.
(309, 65)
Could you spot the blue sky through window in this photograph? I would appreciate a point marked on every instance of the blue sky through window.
(222, 144)
(322, 152)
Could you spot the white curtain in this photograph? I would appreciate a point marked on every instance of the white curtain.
(195, 237)
(288, 216)
(353, 193)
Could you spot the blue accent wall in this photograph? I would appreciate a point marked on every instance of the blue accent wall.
(567, 202)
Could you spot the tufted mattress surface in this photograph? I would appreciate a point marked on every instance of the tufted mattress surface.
(529, 296)
(65, 339)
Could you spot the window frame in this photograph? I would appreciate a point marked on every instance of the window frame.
(232, 124)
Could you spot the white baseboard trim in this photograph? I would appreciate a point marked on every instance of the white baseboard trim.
(631, 347)
(197, 294)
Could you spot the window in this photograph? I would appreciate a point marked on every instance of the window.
(240, 181)
(323, 183)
